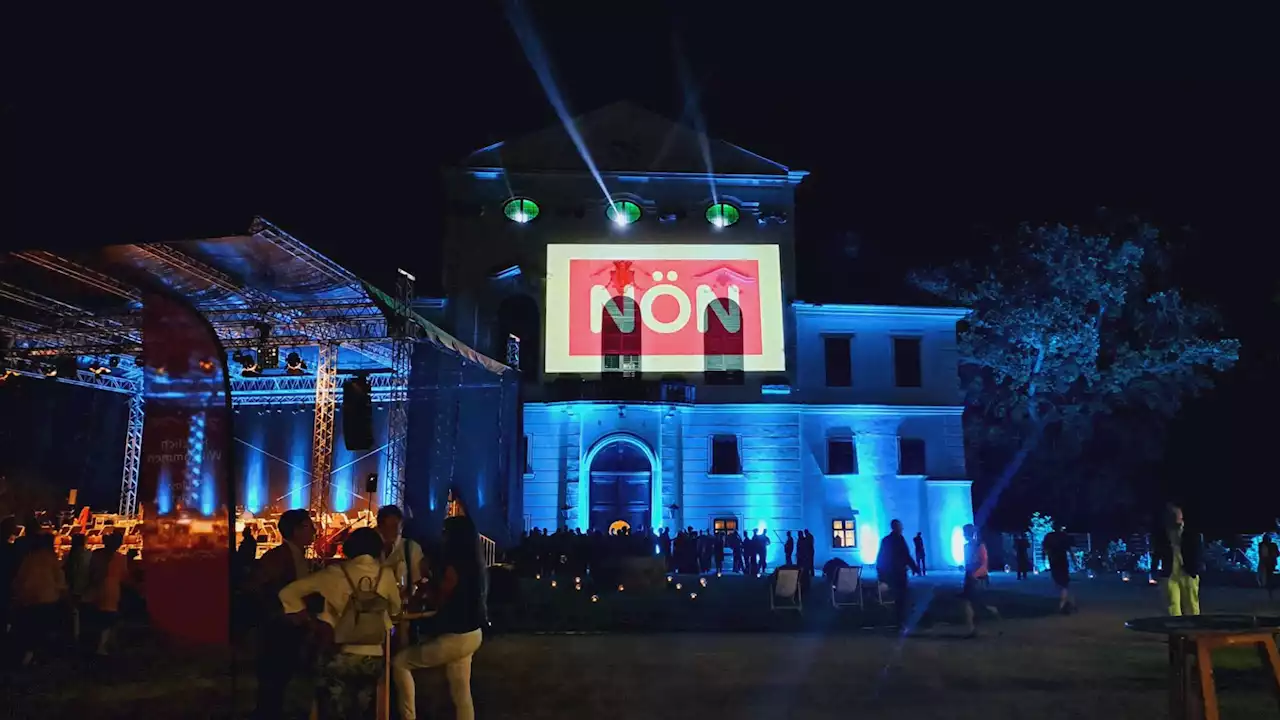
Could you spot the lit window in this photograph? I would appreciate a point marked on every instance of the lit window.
(722, 214)
(844, 533)
(725, 525)
(623, 212)
(521, 210)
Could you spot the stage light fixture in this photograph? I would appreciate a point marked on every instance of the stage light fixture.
(294, 364)
(248, 364)
(114, 361)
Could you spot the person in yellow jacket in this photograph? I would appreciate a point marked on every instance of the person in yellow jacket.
(1177, 561)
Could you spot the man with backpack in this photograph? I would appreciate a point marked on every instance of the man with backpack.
(360, 598)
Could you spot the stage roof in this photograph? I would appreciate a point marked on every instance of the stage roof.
(86, 306)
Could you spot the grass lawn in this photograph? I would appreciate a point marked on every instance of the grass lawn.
(663, 654)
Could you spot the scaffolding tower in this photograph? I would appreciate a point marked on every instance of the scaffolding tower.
(398, 418)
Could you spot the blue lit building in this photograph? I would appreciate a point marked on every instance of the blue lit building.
(862, 425)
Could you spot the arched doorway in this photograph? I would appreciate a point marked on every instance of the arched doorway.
(621, 468)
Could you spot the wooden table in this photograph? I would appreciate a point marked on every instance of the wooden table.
(1192, 640)
(384, 688)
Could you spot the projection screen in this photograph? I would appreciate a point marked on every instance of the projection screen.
(667, 308)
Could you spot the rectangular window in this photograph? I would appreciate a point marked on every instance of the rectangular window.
(724, 455)
(725, 524)
(724, 370)
(906, 362)
(911, 456)
(627, 365)
(526, 466)
(838, 352)
(844, 533)
(842, 458)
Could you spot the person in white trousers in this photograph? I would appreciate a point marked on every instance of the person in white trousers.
(457, 591)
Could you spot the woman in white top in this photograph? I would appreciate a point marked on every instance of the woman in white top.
(349, 679)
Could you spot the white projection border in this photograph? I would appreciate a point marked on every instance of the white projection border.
(558, 360)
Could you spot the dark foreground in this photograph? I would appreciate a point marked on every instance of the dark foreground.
(1031, 665)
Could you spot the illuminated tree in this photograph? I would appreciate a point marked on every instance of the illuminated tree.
(1081, 344)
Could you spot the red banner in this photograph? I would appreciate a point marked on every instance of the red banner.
(183, 481)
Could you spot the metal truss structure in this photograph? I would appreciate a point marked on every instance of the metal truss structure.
(132, 457)
(398, 419)
(54, 307)
(326, 399)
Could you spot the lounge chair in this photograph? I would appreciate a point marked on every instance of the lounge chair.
(784, 591)
(846, 591)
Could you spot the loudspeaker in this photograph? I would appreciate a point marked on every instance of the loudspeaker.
(371, 483)
(357, 415)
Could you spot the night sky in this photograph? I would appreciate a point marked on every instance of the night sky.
(921, 134)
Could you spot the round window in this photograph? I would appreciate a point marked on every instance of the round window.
(722, 214)
(623, 212)
(521, 210)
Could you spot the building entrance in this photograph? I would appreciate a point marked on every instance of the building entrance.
(620, 487)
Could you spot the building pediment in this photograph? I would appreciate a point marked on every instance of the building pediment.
(624, 138)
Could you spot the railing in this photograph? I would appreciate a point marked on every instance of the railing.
(488, 551)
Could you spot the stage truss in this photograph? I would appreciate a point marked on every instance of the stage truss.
(329, 309)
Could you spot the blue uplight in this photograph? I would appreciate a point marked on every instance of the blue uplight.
(868, 543)
(164, 493)
(299, 459)
(957, 545)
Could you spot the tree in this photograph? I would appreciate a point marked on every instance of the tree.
(1081, 347)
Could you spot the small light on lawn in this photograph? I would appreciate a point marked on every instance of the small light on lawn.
(621, 588)
(1152, 581)
(702, 582)
(1124, 576)
(668, 578)
(693, 596)
(538, 576)
(577, 580)
(577, 586)
(719, 574)
(553, 583)
(595, 598)
(679, 586)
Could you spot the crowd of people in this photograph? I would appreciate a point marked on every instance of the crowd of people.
(50, 605)
(326, 626)
(688, 551)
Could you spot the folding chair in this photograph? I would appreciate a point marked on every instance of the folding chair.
(784, 591)
(846, 591)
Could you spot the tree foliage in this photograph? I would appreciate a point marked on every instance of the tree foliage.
(1077, 335)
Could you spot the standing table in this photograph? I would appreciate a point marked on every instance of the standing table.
(1192, 640)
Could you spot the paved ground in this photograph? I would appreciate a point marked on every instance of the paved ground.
(1030, 665)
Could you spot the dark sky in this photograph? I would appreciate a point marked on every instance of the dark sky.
(917, 130)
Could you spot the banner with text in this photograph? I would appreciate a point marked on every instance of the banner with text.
(664, 308)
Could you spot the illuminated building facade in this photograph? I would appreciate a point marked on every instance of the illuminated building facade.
(670, 378)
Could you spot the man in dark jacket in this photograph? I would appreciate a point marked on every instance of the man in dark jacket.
(892, 564)
(1177, 561)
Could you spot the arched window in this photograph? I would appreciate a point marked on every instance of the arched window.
(722, 214)
(620, 348)
(521, 210)
(623, 212)
(723, 343)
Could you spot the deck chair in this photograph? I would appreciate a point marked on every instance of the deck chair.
(784, 591)
(846, 591)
